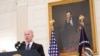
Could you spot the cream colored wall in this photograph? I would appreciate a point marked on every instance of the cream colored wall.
(22, 19)
(7, 25)
(97, 13)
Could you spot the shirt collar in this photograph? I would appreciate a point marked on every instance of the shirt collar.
(29, 43)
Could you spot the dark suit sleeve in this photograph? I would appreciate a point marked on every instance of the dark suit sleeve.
(41, 51)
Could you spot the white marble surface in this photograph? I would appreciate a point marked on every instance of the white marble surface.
(97, 14)
(7, 6)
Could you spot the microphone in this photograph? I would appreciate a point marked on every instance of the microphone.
(22, 43)
(17, 45)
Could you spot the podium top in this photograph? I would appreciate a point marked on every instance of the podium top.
(21, 53)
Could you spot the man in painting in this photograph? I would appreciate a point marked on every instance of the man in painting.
(70, 33)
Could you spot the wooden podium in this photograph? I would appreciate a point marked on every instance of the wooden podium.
(21, 53)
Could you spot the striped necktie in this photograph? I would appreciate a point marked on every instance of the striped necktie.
(27, 47)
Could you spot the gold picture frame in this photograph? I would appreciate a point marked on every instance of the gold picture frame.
(84, 7)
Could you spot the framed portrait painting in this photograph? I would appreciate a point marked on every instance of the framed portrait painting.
(66, 14)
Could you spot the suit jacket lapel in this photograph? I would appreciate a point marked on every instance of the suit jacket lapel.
(33, 45)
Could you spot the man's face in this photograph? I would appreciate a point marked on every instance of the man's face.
(28, 36)
(68, 15)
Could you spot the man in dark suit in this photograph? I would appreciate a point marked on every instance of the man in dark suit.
(70, 33)
(28, 44)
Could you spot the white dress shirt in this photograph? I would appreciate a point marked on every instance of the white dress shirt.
(71, 22)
